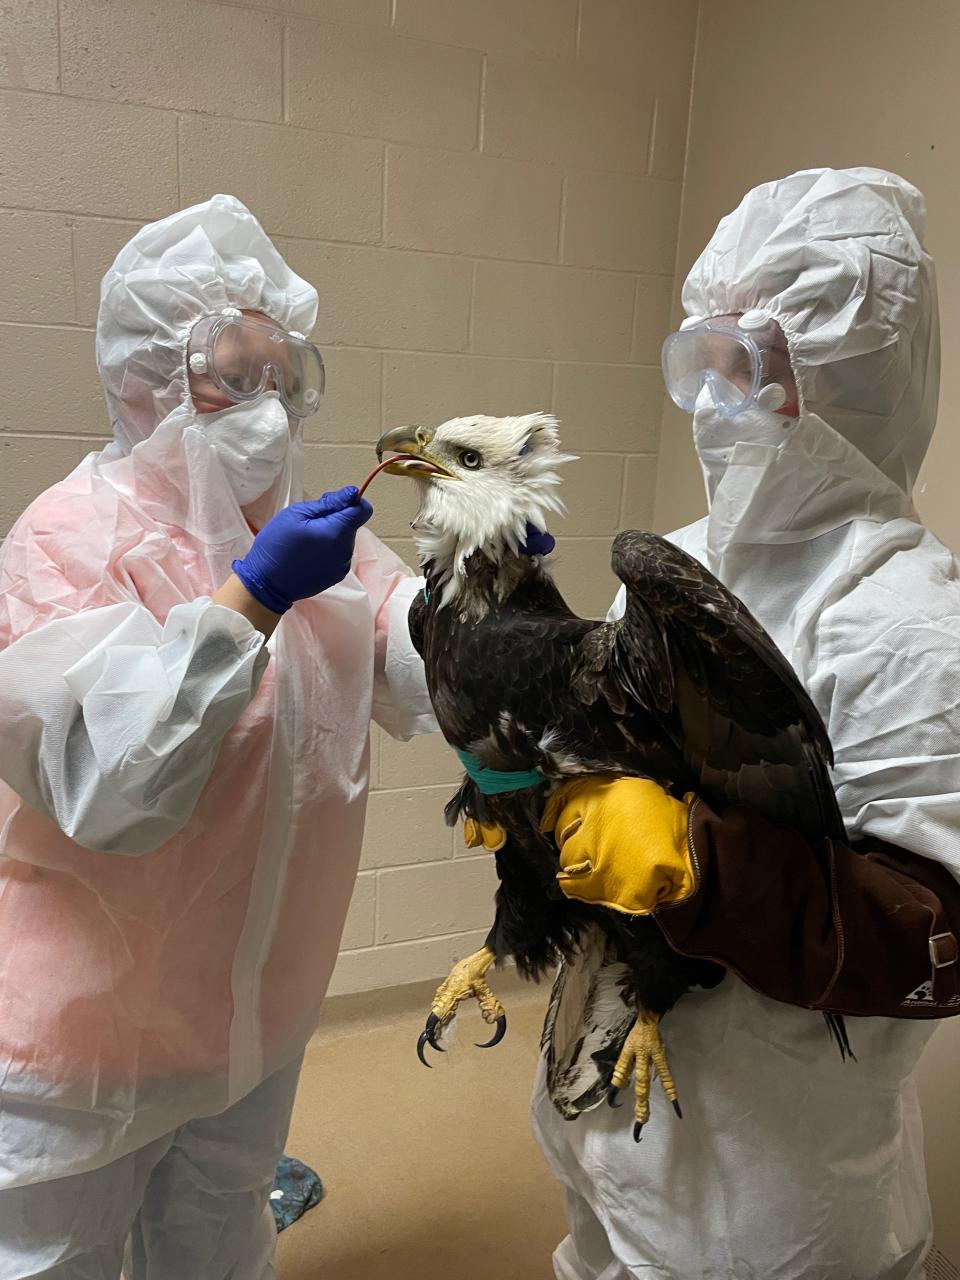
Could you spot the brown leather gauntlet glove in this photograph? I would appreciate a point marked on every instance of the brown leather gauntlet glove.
(869, 931)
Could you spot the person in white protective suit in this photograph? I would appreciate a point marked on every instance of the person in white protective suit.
(184, 765)
(790, 1163)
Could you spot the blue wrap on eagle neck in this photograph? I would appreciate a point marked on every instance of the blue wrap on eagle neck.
(495, 782)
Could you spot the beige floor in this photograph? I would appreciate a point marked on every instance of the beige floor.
(430, 1175)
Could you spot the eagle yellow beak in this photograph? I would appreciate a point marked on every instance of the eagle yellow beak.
(411, 443)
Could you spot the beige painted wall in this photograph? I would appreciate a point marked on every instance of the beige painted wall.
(486, 196)
(826, 83)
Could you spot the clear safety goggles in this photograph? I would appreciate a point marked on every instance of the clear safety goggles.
(244, 356)
(741, 359)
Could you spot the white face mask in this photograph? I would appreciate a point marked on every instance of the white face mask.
(252, 441)
(715, 437)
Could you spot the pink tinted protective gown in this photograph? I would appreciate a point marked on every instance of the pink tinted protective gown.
(181, 804)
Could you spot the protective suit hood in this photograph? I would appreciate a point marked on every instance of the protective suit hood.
(836, 257)
(195, 263)
(173, 272)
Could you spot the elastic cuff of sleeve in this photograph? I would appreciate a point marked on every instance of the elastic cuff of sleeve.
(260, 591)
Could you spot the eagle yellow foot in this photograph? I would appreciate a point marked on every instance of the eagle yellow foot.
(643, 1050)
(466, 980)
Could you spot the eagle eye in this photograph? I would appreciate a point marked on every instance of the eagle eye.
(470, 459)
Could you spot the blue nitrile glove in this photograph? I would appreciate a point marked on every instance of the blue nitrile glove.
(304, 549)
(536, 543)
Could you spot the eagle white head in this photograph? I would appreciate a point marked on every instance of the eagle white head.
(481, 480)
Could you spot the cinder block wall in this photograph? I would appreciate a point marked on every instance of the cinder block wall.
(486, 194)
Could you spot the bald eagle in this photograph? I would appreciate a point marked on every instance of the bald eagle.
(686, 689)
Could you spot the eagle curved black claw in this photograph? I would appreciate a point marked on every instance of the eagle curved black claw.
(421, 1045)
(498, 1035)
(676, 1107)
(637, 1131)
(613, 1094)
(430, 1031)
(428, 1036)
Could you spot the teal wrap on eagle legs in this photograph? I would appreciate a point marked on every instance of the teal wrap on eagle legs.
(494, 782)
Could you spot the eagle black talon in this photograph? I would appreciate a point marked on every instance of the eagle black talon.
(421, 1045)
(676, 1107)
(613, 1093)
(430, 1031)
(498, 1035)
(637, 1131)
(428, 1037)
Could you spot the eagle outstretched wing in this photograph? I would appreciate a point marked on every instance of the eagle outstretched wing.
(690, 652)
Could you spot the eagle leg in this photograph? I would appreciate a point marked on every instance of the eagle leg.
(642, 1051)
(467, 980)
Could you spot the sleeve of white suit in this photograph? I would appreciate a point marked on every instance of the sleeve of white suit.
(888, 673)
(112, 722)
(619, 606)
(401, 702)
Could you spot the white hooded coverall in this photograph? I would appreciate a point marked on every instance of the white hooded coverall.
(789, 1164)
(181, 804)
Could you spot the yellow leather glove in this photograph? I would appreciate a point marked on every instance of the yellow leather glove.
(489, 834)
(622, 842)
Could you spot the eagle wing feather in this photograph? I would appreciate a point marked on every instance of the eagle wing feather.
(691, 652)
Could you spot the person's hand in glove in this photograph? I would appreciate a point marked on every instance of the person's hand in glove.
(622, 842)
(537, 542)
(303, 550)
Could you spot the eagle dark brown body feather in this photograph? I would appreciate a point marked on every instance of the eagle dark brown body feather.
(686, 689)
